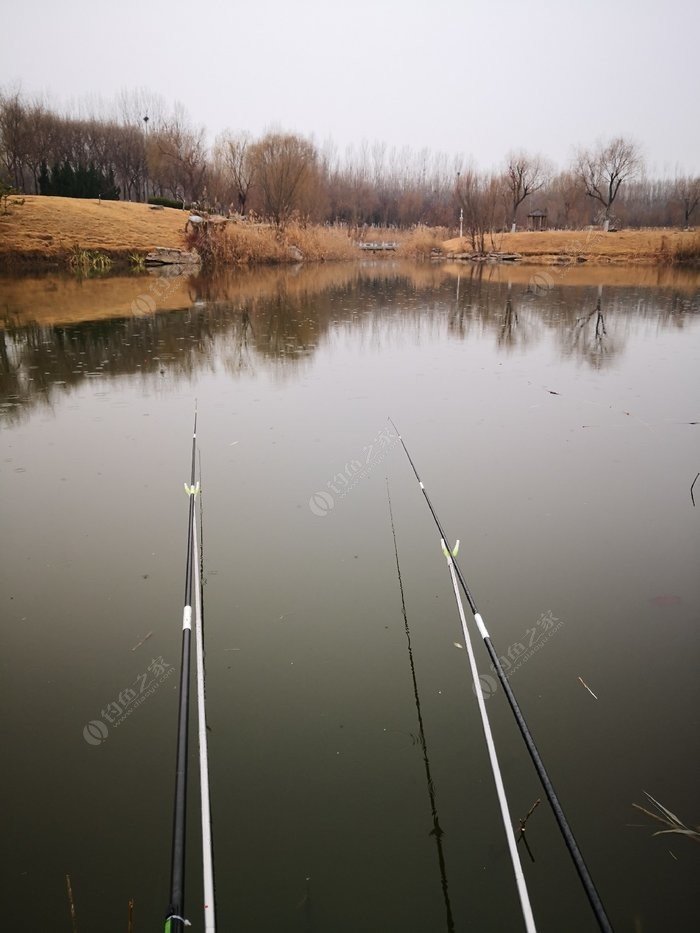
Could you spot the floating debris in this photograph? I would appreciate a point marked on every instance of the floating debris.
(588, 688)
(144, 639)
(670, 820)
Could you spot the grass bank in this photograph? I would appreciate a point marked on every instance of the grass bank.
(653, 245)
(68, 232)
(43, 230)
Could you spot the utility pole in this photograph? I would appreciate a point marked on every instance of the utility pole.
(461, 210)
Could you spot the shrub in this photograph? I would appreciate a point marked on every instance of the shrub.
(169, 202)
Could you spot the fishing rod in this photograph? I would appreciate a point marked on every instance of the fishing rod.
(493, 757)
(207, 846)
(175, 920)
(571, 844)
(437, 830)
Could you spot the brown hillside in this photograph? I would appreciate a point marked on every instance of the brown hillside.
(50, 227)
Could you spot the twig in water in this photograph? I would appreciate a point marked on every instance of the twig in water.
(72, 904)
(692, 497)
(522, 828)
(145, 638)
(130, 922)
(588, 688)
(528, 815)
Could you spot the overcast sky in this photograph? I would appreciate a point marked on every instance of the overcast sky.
(451, 75)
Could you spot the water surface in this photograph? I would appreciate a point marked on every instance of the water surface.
(550, 414)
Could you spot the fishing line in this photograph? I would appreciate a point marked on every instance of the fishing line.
(571, 844)
(437, 830)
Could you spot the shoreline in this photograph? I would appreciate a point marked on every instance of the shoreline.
(55, 234)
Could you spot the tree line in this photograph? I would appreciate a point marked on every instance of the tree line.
(142, 151)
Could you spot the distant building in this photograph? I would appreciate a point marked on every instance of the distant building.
(537, 220)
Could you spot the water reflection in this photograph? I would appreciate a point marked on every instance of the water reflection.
(58, 333)
(589, 337)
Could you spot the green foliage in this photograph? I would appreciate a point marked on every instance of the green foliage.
(81, 181)
(86, 261)
(5, 192)
(168, 202)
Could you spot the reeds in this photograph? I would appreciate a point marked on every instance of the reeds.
(685, 250)
(137, 262)
(85, 261)
(668, 819)
(258, 244)
(420, 242)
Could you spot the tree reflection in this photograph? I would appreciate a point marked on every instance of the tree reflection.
(588, 338)
(276, 319)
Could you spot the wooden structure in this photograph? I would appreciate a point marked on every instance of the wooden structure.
(379, 247)
(537, 220)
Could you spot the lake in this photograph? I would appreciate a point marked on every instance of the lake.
(553, 416)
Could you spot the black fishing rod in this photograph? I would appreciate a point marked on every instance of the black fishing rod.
(437, 830)
(175, 919)
(571, 844)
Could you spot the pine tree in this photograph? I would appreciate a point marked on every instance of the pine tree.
(45, 186)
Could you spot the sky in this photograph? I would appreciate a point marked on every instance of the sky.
(453, 76)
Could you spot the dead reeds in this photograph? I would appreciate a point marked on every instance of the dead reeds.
(672, 823)
(686, 250)
(260, 244)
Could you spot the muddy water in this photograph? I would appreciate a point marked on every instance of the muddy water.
(551, 419)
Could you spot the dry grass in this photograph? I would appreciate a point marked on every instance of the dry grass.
(553, 246)
(49, 228)
(45, 229)
(686, 249)
(419, 242)
(251, 244)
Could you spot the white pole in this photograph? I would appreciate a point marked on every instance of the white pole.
(207, 854)
(505, 814)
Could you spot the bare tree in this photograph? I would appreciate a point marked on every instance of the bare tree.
(478, 196)
(603, 169)
(42, 131)
(14, 136)
(234, 153)
(181, 157)
(286, 171)
(524, 175)
(687, 191)
(565, 200)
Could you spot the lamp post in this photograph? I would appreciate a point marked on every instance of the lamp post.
(145, 192)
